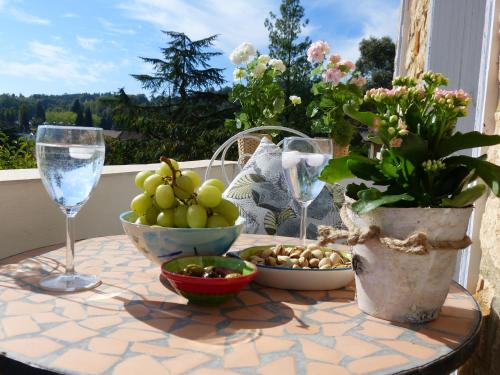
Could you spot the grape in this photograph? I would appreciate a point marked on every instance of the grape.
(142, 220)
(174, 164)
(141, 203)
(151, 214)
(166, 218)
(196, 216)
(183, 187)
(180, 219)
(217, 221)
(195, 177)
(209, 196)
(140, 177)
(215, 182)
(164, 170)
(164, 196)
(228, 210)
(151, 183)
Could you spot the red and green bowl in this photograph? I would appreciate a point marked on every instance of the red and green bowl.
(208, 291)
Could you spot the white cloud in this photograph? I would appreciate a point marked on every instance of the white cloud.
(114, 28)
(48, 62)
(22, 16)
(2, 4)
(377, 19)
(87, 43)
(236, 21)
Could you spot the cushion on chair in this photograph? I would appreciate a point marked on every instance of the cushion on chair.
(261, 193)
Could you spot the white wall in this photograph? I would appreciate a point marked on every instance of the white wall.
(29, 219)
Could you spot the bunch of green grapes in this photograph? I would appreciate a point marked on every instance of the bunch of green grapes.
(174, 198)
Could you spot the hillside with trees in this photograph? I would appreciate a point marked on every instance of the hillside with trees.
(184, 114)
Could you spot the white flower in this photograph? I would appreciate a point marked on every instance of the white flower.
(296, 100)
(259, 70)
(277, 65)
(264, 59)
(242, 53)
(238, 73)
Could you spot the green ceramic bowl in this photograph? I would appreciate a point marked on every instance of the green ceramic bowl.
(208, 291)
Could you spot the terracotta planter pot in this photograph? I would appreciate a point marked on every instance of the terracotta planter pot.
(247, 146)
(401, 286)
(340, 150)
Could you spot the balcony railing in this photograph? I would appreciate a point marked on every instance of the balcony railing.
(29, 218)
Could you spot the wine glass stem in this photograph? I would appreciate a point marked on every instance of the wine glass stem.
(303, 223)
(70, 245)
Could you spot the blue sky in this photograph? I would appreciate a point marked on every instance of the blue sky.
(71, 46)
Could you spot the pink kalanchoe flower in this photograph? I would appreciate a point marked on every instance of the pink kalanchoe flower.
(334, 59)
(396, 142)
(317, 51)
(358, 81)
(333, 75)
(348, 64)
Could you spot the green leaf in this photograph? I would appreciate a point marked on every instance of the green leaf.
(414, 148)
(389, 169)
(326, 103)
(336, 170)
(362, 206)
(366, 118)
(316, 71)
(367, 170)
(369, 194)
(489, 172)
(279, 105)
(353, 189)
(460, 141)
(466, 197)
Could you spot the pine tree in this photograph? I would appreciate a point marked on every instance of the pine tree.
(284, 44)
(87, 117)
(184, 69)
(377, 61)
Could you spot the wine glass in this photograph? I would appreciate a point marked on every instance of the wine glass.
(70, 161)
(303, 160)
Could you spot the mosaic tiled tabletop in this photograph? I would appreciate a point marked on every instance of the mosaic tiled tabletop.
(132, 324)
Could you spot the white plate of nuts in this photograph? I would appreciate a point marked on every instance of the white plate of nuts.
(298, 268)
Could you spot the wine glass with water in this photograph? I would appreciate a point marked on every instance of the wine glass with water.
(302, 160)
(70, 161)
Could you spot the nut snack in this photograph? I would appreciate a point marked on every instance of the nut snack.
(312, 257)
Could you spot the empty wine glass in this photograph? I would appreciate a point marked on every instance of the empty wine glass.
(70, 161)
(303, 160)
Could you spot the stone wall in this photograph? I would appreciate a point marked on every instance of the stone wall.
(486, 359)
(416, 38)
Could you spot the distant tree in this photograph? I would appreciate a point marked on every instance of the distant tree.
(77, 108)
(184, 69)
(285, 43)
(24, 124)
(39, 113)
(377, 61)
(87, 117)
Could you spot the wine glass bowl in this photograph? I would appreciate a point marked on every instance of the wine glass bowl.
(70, 161)
(302, 160)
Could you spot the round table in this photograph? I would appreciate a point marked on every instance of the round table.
(132, 324)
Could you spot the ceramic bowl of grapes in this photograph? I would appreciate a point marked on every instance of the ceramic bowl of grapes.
(208, 280)
(175, 215)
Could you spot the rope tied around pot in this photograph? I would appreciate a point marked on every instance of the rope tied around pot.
(417, 243)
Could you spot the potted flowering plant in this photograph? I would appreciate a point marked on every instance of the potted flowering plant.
(337, 85)
(257, 91)
(408, 225)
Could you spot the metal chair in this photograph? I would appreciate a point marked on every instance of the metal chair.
(222, 150)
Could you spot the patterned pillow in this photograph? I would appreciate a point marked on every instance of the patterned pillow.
(261, 193)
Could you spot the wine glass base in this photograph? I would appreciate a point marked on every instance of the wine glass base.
(69, 283)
